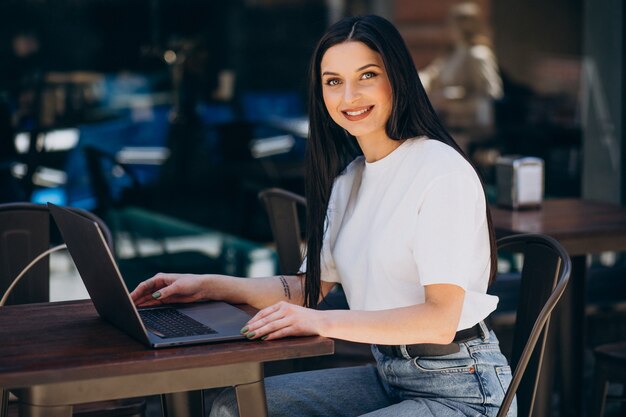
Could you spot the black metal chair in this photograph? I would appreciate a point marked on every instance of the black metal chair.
(282, 208)
(610, 366)
(544, 277)
(25, 233)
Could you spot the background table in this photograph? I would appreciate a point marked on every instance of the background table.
(582, 227)
(54, 355)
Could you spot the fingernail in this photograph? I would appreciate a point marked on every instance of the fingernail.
(244, 330)
(156, 295)
(264, 337)
(250, 335)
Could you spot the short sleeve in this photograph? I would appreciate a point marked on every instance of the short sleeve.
(451, 239)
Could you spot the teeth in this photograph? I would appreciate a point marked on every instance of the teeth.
(356, 113)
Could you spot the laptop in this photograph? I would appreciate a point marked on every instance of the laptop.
(156, 327)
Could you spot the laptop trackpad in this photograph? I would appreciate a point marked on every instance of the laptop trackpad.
(220, 316)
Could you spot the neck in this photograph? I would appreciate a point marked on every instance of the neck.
(376, 147)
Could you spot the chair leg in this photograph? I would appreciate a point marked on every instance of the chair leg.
(599, 392)
(4, 403)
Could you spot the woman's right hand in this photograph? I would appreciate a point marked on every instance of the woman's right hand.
(170, 288)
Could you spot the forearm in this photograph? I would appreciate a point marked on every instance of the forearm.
(422, 323)
(257, 292)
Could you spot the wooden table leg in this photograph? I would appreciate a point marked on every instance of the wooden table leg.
(572, 340)
(251, 399)
(183, 404)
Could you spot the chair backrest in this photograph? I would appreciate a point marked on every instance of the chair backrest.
(545, 274)
(24, 234)
(282, 209)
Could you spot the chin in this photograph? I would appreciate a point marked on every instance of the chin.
(356, 130)
(361, 132)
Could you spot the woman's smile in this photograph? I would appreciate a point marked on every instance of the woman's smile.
(357, 114)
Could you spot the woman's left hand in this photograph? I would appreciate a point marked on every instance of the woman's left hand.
(283, 319)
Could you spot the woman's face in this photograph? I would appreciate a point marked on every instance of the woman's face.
(357, 92)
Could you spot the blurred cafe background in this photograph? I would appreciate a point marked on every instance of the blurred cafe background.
(167, 117)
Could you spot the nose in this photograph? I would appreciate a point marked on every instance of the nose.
(351, 93)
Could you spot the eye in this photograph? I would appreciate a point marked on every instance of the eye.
(333, 82)
(368, 75)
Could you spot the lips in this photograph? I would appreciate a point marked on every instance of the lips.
(358, 113)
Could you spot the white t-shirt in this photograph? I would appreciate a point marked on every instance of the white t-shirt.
(414, 218)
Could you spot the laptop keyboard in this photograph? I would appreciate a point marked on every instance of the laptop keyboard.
(169, 322)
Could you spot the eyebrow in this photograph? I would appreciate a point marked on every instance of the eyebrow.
(358, 69)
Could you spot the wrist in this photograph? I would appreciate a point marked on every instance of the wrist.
(205, 287)
(325, 321)
(213, 287)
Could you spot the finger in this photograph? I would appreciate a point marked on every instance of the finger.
(150, 303)
(287, 331)
(148, 286)
(173, 299)
(279, 334)
(254, 325)
(139, 298)
(150, 300)
(292, 330)
(263, 313)
(143, 300)
(165, 285)
(269, 328)
(266, 312)
(139, 292)
(260, 324)
(165, 294)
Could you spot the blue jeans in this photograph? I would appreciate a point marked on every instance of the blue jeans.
(471, 382)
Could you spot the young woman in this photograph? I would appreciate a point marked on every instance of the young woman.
(396, 215)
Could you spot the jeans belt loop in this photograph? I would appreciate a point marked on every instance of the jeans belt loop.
(403, 352)
(484, 330)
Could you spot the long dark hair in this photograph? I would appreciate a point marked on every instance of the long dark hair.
(330, 149)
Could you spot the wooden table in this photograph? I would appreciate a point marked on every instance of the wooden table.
(53, 355)
(582, 227)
